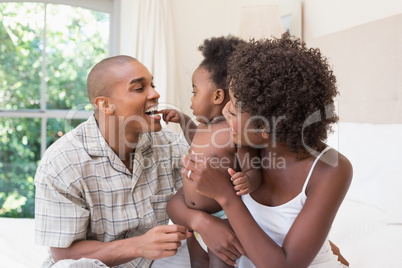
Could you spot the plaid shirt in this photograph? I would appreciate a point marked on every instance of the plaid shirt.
(84, 191)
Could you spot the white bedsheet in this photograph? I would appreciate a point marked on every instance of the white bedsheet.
(360, 231)
(17, 247)
(365, 238)
(18, 250)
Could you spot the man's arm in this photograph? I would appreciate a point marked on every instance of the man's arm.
(69, 219)
(159, 242)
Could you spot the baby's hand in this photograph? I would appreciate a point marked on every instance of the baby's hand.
(170, 115)
(241, 182)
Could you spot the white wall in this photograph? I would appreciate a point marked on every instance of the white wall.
(196, 20)
(362, 40)
(323, 17)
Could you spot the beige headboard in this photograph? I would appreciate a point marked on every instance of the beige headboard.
(367, 61)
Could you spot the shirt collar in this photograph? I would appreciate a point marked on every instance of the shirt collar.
(96, 145)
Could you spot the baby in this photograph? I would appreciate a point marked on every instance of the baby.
(211, 139)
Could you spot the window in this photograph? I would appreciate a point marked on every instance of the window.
(46, 51)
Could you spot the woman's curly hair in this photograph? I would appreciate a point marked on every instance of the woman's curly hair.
(289, 87)
(216, 52)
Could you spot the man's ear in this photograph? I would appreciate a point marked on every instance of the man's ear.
(103, 104)
(219, 96)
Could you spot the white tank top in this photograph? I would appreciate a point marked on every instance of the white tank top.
(276, 222)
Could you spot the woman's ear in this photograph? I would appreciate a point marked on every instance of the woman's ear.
(103, 104)
(219, 96)
(264, 134)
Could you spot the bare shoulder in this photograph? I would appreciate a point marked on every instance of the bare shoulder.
(218, 136)
(335, 162)
(214, 141)
(334, 168)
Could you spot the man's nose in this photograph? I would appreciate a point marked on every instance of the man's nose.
(153, 94)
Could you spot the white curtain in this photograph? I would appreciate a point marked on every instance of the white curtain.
(146, 33)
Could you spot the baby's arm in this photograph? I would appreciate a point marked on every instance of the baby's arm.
(187, 125)
(250, 176)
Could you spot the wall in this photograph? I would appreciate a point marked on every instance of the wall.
(195, 20)
(363, 41)
(367, 61)
(323, 17)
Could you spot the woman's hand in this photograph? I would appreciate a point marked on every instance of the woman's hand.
(216, 233)
(207, 179)
(221, 240)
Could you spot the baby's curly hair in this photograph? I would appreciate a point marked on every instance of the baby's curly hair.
(216, 52)
(288, 86)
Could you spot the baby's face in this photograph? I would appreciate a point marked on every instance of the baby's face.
(203, 95)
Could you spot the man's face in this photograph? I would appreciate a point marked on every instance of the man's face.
(134, 97)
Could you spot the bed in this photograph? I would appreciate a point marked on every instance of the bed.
(367, 60)
(368, 226)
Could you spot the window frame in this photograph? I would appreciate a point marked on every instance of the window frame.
(108, 6)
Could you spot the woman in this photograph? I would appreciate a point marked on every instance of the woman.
(282, 100)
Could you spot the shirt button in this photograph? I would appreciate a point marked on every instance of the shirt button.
(140, 216)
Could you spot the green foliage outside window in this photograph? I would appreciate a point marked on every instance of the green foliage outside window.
(76, 39)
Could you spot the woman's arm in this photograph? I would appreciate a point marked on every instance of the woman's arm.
(159, 242)
(217, 235)
(326, 191)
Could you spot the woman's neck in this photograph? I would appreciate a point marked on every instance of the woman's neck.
(282, 150)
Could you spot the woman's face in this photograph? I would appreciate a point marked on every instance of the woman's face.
(241, 124)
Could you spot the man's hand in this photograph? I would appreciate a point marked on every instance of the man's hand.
(161, 241)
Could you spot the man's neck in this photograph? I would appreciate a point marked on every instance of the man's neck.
(122, 143)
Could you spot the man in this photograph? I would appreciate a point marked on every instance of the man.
(102, 189)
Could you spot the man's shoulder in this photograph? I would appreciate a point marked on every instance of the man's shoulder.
(69, 143)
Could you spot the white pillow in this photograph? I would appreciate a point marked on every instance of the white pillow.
(375, 151)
